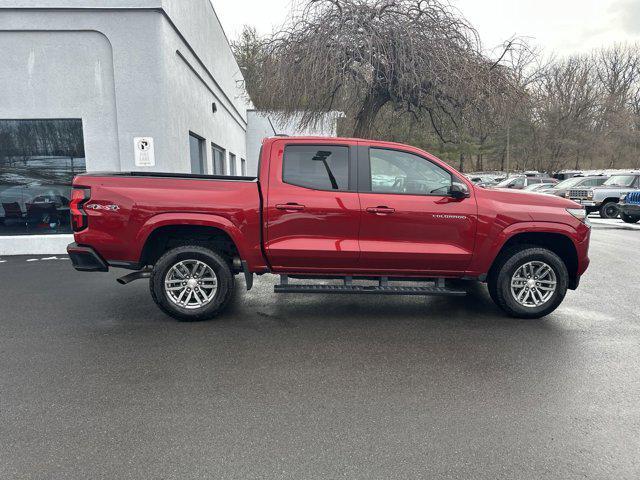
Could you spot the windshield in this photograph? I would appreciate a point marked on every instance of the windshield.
(620, 181)
(569, 182)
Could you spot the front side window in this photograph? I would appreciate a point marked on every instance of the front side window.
(320, 167)
(38, 160)
(405, 173)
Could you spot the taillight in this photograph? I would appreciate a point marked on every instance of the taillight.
(79, 197)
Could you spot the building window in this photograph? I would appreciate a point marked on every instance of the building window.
(322, 167)
(218, 154)
(38, 160)
(243, 167)
(232, 165)
(196, 149)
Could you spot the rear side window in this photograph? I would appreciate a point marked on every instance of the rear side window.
(320, 167)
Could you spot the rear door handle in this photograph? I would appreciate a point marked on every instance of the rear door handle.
(290, 207)
(381, 210)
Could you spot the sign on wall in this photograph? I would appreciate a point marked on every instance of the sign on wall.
(144, 152)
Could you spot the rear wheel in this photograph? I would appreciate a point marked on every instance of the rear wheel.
(629, 218)
(529, 282)
(192, 283)
(609, 210)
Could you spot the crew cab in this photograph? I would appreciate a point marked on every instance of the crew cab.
(376, 217)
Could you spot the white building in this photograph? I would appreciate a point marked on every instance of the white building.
(115, 85)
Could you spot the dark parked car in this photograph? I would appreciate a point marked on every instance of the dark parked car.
(630, 207)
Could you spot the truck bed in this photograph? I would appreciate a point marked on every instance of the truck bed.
(172, 175)
(125, 208)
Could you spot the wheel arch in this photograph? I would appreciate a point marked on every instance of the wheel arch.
(167, 231)
(559, 243)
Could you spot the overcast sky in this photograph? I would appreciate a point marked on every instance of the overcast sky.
(564, 26)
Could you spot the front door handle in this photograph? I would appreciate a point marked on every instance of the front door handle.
(290, 207)
(381, 210)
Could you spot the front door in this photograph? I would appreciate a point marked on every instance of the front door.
(410, 222)
(312, 209)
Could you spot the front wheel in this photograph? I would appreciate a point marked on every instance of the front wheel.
(192, 283)
(529, 282)
(609, 210)
(629, 218)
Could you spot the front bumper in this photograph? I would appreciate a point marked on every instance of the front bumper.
(86, 259)
(586, 203)
(630, 209)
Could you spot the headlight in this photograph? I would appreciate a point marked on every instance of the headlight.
(622, 197)
(579, 213)
(590, 195)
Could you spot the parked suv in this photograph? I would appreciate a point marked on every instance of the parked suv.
(630, 207)
(575, 184)
(605, 199)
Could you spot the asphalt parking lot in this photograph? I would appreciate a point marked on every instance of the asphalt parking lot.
(95, 382)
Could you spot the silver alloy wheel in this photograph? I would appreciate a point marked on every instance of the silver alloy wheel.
(191, 284)
(533, 284)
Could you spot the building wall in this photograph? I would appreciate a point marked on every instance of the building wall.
(127, 68)
(65, 74)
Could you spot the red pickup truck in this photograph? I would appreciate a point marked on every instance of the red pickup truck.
(372, 217)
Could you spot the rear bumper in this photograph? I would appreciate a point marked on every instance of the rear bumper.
(86, 259)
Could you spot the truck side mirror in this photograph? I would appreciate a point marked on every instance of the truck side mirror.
(458, 192)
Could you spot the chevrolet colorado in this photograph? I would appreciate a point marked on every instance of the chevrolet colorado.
(374, 216)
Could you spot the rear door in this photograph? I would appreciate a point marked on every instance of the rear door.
(410, 223)
(312, 207)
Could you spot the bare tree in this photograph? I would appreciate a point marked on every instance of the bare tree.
(420, 56)
(414, 71)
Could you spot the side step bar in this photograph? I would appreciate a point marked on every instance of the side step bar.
(383, 288)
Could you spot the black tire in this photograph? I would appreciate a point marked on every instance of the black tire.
(629, 218)
(225, 283)
(499, 282)
(609, 210)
